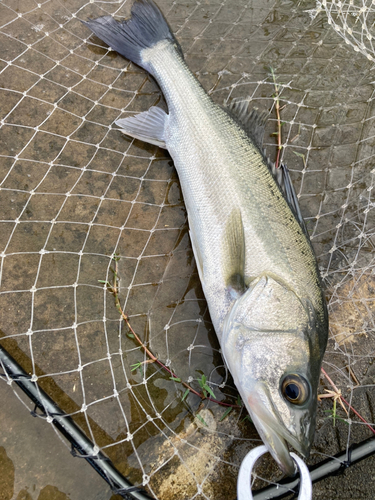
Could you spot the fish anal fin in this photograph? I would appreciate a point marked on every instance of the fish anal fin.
(233, 247)
(148, 126)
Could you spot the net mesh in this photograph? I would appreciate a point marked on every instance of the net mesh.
(79, 200)
(353, 20)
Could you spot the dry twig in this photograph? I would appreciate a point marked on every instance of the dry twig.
(278, 117)
(336, 394)
(112, 288)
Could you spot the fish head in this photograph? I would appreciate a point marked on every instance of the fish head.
(269, 343)
(277, 390)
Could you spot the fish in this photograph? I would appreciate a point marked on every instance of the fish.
(253, 253)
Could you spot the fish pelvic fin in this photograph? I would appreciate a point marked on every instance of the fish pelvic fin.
(147, 126)
(234, 252)
(197, 253)
(145, 28)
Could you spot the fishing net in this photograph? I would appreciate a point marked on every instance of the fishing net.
(93, 224)
(353, 20)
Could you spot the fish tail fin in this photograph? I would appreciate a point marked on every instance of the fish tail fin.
(146, 27)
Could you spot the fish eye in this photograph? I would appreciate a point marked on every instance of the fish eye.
(295, 389)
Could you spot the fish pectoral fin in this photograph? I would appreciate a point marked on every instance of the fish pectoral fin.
(148, 126)
(253, 121)
(234, 252)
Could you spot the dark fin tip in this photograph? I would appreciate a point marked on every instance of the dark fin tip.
(146, 27)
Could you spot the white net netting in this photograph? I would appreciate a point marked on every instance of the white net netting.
(353, 20)
(78, 198)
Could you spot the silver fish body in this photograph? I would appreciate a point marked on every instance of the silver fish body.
(257, 267)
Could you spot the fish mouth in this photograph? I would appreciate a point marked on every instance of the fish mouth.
(273, 432)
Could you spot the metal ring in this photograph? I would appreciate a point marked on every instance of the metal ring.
(244, 476)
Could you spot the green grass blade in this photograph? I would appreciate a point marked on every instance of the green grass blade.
(226, 413)
(185, 394)
(209, 390)
(201, 419)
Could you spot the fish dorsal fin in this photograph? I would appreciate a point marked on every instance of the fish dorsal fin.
(148, 126)
(253, 121)
(233, 247)
(283, 179)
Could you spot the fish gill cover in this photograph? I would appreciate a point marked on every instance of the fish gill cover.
(79, 200)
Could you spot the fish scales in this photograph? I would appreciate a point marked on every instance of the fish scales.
(220, 169)
(257, 267)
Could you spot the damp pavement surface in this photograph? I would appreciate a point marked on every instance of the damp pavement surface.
(34, 463)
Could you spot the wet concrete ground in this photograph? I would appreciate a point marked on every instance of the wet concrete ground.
(35, 465)
(75, 190)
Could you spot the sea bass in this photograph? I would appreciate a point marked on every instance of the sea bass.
(254, 257)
